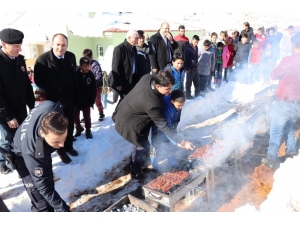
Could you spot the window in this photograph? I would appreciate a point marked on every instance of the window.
(100, 51)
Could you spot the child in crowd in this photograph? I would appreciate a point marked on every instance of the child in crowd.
(268, 62)
(241, 50)
(260, 37)
(176, 68)
(87, 89)
(105, 89)
(227, 56)
(163, 149)
(254, 62)
(206, 65)
(218, 75)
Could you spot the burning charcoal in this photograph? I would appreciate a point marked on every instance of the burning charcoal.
(127, 208)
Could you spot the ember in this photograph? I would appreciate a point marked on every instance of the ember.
(127, 208)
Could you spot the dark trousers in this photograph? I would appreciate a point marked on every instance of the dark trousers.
(86, 111)
(212, 74)
(69, 112)
(98, 102)
(203, 82)
(192, 77)
(39, 204)
(6, 137)
(139, 156)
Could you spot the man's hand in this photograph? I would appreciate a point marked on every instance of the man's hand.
(169, 36)
(187, 145)
(13, 123)
(119, 88)
(154, 70)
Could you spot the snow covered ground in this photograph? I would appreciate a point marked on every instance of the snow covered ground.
(108, 148)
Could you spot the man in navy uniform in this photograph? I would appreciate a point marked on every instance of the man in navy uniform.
(44, 130)
(16, 93)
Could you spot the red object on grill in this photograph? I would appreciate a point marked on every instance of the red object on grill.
(168, 180)
(200, 152)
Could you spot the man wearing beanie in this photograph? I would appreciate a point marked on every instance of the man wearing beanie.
(55, 75)
(15, 89)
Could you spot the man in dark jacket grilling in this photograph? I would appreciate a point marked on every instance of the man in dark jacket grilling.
(134, 117)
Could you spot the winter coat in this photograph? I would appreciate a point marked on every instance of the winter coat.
(58, 80)
(122, 66)
(171, 113)
(207, 61)
(242, 52)
(97, 71)
(190, 57)
(249, 33)
(87, 89)
(138, 110)
(182, 42)
(143, 61)
(15, 89)
(178, 76)
(255, 56)
(161, 57)
(275, 45)
(261, 40)
(231, 55)
(32, 149)
(288, 76)
(225, 57)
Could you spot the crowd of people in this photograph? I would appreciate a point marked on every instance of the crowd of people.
(160, 69)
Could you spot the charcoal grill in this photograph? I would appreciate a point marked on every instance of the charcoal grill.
(185, 189)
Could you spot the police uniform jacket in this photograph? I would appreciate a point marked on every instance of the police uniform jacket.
(36, 153)
(57, 78)
(15, 89)
(136, 113)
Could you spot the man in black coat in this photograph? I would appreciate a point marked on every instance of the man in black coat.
(55, 74)
(137, 112)
(164, 45)
(124, 65)
(16, 93)
(43, 131)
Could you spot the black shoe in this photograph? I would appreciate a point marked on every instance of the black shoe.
(64, 158)
(88, 134)
(82, 120)
(210, 88)
(101, 117)
(291, 155)
(79, 130)
(72, 152)
(5, 170)
(138, 176)
(190, 97)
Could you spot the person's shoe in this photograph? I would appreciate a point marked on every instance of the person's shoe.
(271, 163)
(79, 130)
(210, 88)
(65, 158)
(291, 155)
(72, 152)
(202, 95)
(82, 120)
(101, 117)
(5, 170)
(88, 134)
(189, 97)
(138, 176)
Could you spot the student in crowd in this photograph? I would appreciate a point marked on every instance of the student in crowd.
(176, 68)
(268, 62)
(206, 65)
(213, 40)
(191, 67)
(261, 37)
(164, 146)
(254, 62)
(241, 50)
(87, 95)
(182, 40)
(219, 63)
(227, 59)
